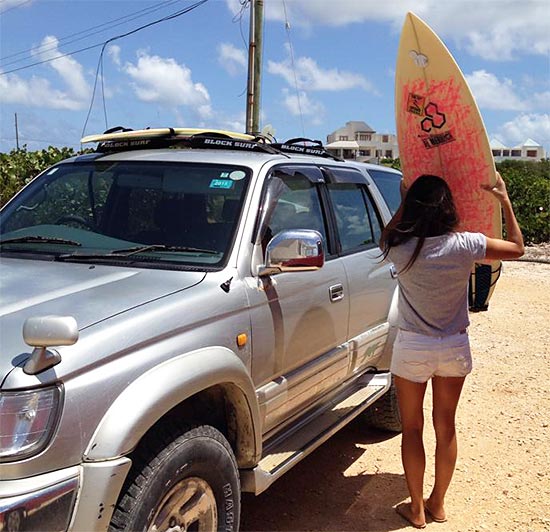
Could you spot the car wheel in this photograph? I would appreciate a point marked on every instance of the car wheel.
(384, 413)
(186, 481)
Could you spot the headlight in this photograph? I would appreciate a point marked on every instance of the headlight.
(27, 420)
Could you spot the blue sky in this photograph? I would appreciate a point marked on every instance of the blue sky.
(325, 62)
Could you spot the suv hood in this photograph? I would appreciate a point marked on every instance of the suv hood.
(89, 293)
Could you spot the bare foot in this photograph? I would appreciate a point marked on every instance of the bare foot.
(436, 512)
(405, 511)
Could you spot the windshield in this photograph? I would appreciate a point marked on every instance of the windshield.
(133, 211)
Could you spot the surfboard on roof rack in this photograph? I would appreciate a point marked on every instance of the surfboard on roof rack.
(126, 134)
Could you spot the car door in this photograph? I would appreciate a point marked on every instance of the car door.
(371, 280)
(299, 319)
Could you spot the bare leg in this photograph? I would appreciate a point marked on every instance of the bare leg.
(446, 393)
(410, 397)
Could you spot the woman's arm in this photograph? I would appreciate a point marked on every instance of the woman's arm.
(512, 247)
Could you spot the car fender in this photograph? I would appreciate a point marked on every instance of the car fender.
(148, 398)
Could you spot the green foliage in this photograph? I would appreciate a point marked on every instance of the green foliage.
(392, 163)
(20, 166)
(528, 185)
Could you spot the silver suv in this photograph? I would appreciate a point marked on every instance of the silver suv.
(183, 318)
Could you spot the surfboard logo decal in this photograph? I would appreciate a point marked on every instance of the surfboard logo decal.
(415, 104)
(434, 118)
(420, 60)
(437, 139)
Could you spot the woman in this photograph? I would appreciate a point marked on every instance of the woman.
(434, 261)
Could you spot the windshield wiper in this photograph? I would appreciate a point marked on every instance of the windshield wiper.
(37, 239)
(129, 253)
(162, 247)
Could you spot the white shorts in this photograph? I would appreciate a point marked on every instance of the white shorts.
(418, 357)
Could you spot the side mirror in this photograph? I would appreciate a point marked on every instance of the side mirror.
(47, 331)
(296, 250)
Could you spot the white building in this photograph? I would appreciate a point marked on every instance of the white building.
(357, 140)
(528, 151)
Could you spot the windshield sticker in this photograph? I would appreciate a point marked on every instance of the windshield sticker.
(221, 183)
(52, 171)
(237, 175)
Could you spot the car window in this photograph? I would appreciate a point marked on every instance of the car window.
(356, 219)
(297, 206)
(388, 185)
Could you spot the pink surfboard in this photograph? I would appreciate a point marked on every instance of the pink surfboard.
(440, 130)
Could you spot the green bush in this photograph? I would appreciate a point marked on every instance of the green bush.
(528, 186)
(18, 167)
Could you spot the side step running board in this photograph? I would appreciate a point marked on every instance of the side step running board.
(288, 452)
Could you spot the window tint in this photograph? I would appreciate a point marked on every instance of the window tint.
(374, 218)
(388, 185)
(356, 219)
(297, 207)
(110, 206)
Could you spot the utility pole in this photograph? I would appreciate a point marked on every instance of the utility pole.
(254, 67)
(16, 133)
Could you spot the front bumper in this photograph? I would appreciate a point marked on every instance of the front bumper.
(39, 503)
(80, 498)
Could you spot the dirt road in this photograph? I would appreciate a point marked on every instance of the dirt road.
(502, 481)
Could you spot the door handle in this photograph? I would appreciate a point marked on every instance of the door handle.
(336, 292)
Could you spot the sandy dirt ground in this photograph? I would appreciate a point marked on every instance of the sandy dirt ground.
(502, 479)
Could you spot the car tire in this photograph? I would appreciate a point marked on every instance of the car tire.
(186, 479)
(384, 413)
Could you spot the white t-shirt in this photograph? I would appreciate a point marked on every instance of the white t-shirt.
(433, 293)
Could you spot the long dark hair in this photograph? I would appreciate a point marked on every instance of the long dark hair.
(428, 210)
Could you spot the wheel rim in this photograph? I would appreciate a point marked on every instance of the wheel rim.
(190, 505)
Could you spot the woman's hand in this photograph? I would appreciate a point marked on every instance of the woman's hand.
(498, 189)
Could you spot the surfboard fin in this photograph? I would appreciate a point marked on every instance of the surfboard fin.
(482, 281)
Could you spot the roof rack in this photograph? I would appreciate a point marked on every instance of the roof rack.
(123, 139)
(305, 146)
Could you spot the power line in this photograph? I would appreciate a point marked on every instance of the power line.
(14, 7)
(287, 27)
(104, 43)
(68, 39)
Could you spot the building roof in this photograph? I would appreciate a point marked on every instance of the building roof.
(353, 126)
(359, 125)
(495, 144)
(531, 142)
(343, 145)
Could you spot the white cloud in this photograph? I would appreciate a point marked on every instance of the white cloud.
(164, 81)
(303, 105)
(492, 93)
(497, 30)
(113, 51)
(308, 75)
(524, 126)
(69, 69)
(39, 92)
(541, 100)
(231, 58)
